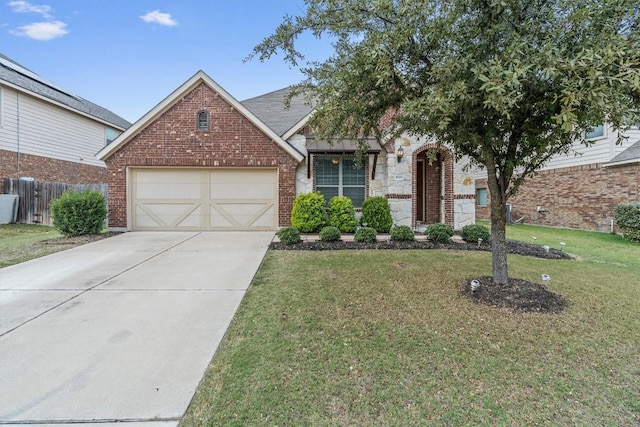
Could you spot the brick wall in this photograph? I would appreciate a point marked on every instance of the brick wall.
(49, 170)
(173, 140)
(582, 197)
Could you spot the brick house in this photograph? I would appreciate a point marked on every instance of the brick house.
(201, 160)
(578, 190)
(49, 134)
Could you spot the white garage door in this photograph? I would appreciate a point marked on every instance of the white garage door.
(203, 199)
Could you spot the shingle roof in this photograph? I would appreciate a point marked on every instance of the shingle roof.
(19, 76)
(629, 155)
(270, 108)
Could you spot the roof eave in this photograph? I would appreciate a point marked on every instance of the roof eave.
(295, 128)
(621, 163)
(61, 105)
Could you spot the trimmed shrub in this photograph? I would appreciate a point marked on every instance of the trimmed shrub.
(402, 233)
(440, 233)
(79, 212)
(471, 233)
(628, 219)
(308, 214)
(330, 234)
(365, 235)
(376, 214)
(289, 235)
(342, 214)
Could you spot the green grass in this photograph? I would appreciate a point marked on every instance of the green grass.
(383, 338)
(19, 242)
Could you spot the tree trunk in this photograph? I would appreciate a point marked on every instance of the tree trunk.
(498, 227)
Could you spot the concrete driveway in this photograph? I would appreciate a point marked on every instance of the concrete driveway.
(120, 330)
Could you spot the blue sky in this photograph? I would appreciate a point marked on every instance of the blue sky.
(128, 55)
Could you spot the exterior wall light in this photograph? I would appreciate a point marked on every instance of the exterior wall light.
(400, 153)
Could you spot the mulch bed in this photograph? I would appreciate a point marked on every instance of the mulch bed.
(513, 247)
(519, 295)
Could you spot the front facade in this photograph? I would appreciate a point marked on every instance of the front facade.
(201, 160)
(49, 134)
(578, 190)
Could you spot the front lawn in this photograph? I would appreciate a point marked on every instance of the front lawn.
(22, 242)
(383, 338)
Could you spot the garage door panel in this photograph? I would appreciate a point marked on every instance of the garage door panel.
(168, 216)
(243, 214)
(237, 199)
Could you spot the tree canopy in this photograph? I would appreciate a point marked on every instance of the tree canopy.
(508, 83)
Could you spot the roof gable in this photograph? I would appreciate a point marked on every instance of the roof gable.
(20, 78)
(270, 108)
(630, 155)
(175, 97)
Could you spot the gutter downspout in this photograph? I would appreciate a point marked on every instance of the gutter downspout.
(18, 135)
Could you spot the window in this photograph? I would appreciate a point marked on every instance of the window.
(337, 176)
(481, 197)
(203, 120)
(1, 105)
(596, 132)
(109, 135)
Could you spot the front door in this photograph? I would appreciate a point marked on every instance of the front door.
(429, 189)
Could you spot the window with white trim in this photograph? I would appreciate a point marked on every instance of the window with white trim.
(338, 176)
(109, 135)
(1, 106)
(481, 197)
(596, 132)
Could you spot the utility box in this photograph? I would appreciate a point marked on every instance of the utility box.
(8, 208)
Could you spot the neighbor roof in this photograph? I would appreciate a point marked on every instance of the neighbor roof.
(175, 97)
(19, 77)
(270, 109)
(630, 155)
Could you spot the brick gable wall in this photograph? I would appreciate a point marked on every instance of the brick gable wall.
(173, 140)
(582, 197)
(48, 169)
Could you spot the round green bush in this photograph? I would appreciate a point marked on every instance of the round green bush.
(289, 235)
(631, 234)
(342, 214)
(330, 234)
(365, 235)
(308, 214)
(628, 219)
(440, 233)
(402, 233)
(376, 214)
(76, 213)
(471, 233)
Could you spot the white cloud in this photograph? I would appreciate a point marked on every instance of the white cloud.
(157, 17)
(42, 30)
(26, 7)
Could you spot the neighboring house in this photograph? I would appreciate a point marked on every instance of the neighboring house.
(49, 134)
(201, 160)
(580, 189)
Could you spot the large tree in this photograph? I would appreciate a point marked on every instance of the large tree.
(508, 83)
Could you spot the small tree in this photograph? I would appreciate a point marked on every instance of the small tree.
(77, 213)
(508, 84)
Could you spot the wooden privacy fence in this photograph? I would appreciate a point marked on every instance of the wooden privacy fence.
(35, 197)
